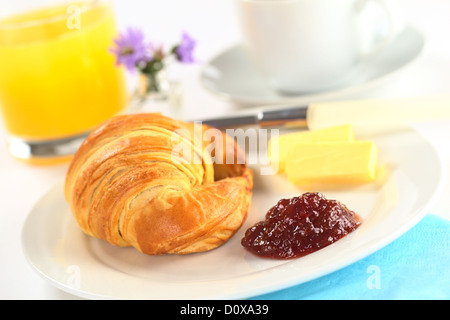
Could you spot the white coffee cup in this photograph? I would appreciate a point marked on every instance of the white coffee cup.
(312, 45)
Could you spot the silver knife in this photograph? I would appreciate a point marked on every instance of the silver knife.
(286, 116)
(364, 113)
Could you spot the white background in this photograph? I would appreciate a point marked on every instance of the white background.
(213, 24)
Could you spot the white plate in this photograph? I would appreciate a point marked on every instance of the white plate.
(232, 76)
(87, 267)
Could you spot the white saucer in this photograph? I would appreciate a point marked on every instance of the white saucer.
(231, 75)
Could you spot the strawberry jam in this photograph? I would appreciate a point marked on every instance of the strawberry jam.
(299, 226)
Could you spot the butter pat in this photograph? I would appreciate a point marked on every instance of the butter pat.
(332, 163)
(279, 147)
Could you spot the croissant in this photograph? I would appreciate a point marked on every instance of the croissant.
(127, 186)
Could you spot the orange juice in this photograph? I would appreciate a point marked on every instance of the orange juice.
(57, 76)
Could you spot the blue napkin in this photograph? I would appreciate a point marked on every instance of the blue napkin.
(416, 266)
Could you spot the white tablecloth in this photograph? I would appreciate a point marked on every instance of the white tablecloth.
(213, 24)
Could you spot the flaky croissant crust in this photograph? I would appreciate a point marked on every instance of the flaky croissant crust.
(125, 186)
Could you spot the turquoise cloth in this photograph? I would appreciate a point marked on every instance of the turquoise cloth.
(416, 266)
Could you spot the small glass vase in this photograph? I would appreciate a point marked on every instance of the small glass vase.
(155, 93)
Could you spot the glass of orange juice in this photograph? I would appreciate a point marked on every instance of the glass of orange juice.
(58, 79)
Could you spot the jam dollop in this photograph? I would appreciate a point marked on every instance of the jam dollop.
(299, 226)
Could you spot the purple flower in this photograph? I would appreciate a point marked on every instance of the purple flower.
(131, 49)
(185, 49)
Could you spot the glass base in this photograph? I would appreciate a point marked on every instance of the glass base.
(45, 151)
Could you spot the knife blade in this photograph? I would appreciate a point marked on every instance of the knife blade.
(287, 116)
(363, 113)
